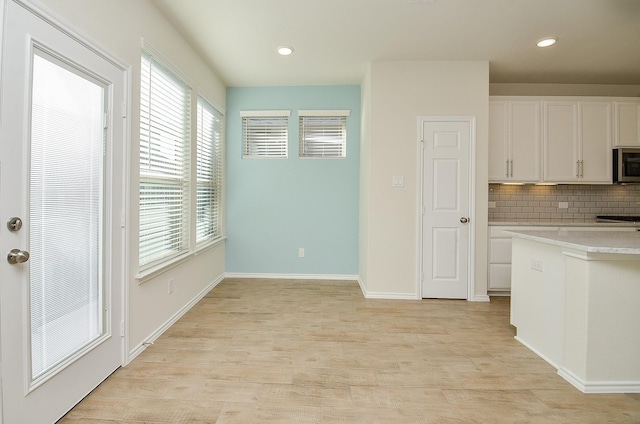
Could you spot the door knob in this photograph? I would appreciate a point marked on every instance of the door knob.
(464, 220)
(17, 256)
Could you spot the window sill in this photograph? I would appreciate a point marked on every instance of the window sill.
(153, 272)
(208, 245)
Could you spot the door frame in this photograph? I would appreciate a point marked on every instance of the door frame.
(125, 113)
(471, 257)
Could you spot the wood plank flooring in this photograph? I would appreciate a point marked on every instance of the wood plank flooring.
(276, 351)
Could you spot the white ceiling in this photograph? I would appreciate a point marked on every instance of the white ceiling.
(334, 40)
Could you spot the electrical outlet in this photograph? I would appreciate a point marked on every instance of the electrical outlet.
(170, 286)
(537, 265)
(492, 205)
(563, 205)
(301, 252)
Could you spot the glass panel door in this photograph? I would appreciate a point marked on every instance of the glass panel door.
(62, 179)
(66, 209)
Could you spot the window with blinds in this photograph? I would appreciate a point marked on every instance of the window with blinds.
(165, 109)
(323, 134)
(265, 134)
(208, 172)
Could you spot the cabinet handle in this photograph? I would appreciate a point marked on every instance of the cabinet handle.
(582, 168)
(511, 175)
(577, 169)
(507, 168)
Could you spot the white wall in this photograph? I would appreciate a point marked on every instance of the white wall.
(365, 180)
(119, 26)
(395, 94)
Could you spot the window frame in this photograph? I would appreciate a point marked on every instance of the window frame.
(192, 247)
(303, 132)
(216, 182)
(269, 145)
(179, 238)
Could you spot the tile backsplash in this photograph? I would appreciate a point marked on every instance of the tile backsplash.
(513, 202)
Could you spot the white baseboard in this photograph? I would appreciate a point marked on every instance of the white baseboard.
(385, 295)
(164, 327)
(599, 386)
(480, 298)
(532, 349)
(391, 296)
(330, 277)
(340, 277)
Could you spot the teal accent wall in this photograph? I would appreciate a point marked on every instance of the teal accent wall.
(276, 206)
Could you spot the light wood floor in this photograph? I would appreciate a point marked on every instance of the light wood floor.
(273, 351)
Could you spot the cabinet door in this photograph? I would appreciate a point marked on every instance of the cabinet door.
(525, 141)
(498, 147)
(596, 145)
(500, 277)
(561, 141)
(627, 124)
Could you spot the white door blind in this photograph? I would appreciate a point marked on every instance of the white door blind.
(165, 108)
(66, 214)
(265, 136)
(323, 136)
(209, 172)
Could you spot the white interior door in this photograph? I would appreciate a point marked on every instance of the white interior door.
(61, 244)
(445, 219)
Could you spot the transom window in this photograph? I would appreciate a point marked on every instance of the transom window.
(323, 134)
(265, 134)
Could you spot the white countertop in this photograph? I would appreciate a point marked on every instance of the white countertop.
(591, 241)
(560, 223)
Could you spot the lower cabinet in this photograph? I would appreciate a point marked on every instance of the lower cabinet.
(499, 278)
(499, 269)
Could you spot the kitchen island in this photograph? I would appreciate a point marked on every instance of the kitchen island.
(575, 301)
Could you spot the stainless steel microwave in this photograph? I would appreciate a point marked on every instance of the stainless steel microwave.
(626, 165)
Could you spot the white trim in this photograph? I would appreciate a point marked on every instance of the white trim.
(3, 7)
(164, 327)
(326, 277)
(200, 93)
(386, 295)
(126, 212)
(331, 277)
(537, 352)
(65, 27)
(264, 113)
(471, 283)
(599, 386)
(324, 113)
(483, 298)
(159, 57)
(391, 296)
(152, 272)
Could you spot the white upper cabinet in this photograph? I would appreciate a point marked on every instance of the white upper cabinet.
(627, 123)
(567, 140)
(561, 160)
(596, 142)
(514, 141)
(577, 141)
(498, 144)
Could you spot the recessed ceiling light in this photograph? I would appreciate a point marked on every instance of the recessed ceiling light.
(547, 41)
(285, 50)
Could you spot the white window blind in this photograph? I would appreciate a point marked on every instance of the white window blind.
(323, 134)
(66, 203)
(208, 172)
(165, 109)
(265, 134)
